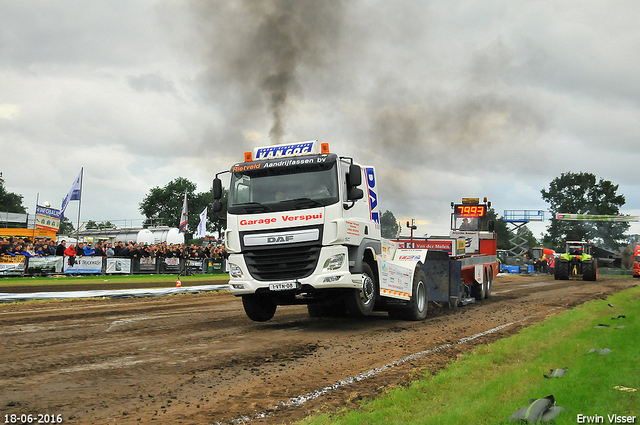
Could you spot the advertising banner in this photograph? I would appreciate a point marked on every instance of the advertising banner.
(194, 266)
(147, 264)
(47, 263)
(395, 281)
(12, 266)
(118, 265)
(47, 218)
(83, 265)
(172, 264)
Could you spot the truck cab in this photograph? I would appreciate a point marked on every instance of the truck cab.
(300, 229)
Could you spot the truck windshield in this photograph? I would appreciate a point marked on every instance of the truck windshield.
(277, 185)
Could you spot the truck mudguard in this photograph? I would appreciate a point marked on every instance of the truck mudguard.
(356, 253)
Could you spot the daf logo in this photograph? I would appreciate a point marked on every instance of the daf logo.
(291, 237)
(279, 239)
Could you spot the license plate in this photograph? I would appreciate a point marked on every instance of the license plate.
(283, 286)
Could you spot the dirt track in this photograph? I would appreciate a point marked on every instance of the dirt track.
(197, 359)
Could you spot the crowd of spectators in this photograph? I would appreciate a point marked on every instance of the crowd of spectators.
(46, 247)
(24, 246)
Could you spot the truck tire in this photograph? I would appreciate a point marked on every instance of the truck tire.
(360, 302)
(258, 307)
(419, 298)
(563, 269)
(589, 270)
(556, 269)
(479, 290)
(489, 279)
(316, 310)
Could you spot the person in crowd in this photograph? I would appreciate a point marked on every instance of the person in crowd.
(88, 250)
(30, 249)
(134, 252)
(70, 252)
(40, 252)
(99, 251)
(80, 249)
(11, 251)
(109, 251)
(220, 252)
(62, 246)
(48, 249)
(4, 246)
(24, 251)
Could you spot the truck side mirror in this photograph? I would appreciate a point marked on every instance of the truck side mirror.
(217, 206)
(354, 194)
(491, 225)
(354, 178)
(217, 189)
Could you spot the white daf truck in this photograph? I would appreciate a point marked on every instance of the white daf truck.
(303, 228)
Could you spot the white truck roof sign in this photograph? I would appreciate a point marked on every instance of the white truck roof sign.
(286, 150)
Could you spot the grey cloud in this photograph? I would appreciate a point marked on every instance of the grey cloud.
(151, 82)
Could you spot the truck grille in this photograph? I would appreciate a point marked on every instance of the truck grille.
(283, 263)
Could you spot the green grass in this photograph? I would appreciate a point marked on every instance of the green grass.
(488, 385)
(111, 279)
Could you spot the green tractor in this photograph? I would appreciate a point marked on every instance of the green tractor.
(575, 262)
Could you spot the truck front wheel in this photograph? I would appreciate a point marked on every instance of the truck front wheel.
(419, 299)
(258, 307)
(360, 302)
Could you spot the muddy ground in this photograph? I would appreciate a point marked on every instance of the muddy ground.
(197, 359)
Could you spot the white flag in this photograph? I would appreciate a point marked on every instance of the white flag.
(202, 227)
(74, 193)
(184, 216)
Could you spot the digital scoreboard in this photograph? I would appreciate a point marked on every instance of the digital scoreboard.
(471, 211)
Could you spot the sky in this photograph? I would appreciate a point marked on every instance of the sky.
(447, 99)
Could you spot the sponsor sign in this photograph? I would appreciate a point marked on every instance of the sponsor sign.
(450, 246)
(47, 263)
(412, 255)
(194, 266)
(472, 240)
(118, 265)
(147, 264)
(279, 151)
(47, 218)
(277, 163)
(171, 264)
(12, 266)
(593, 217)
(370, 173)
(395, 281)
(282, 237)
(280, 220)
(83, 265)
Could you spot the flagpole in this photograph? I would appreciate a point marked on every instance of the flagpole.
(79, 205)
(34, 218)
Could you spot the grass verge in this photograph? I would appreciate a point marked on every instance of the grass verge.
(489, 384)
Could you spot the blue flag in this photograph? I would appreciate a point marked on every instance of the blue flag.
(74, 193)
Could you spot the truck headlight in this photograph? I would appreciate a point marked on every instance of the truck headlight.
(333, 263)
(235, 271)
